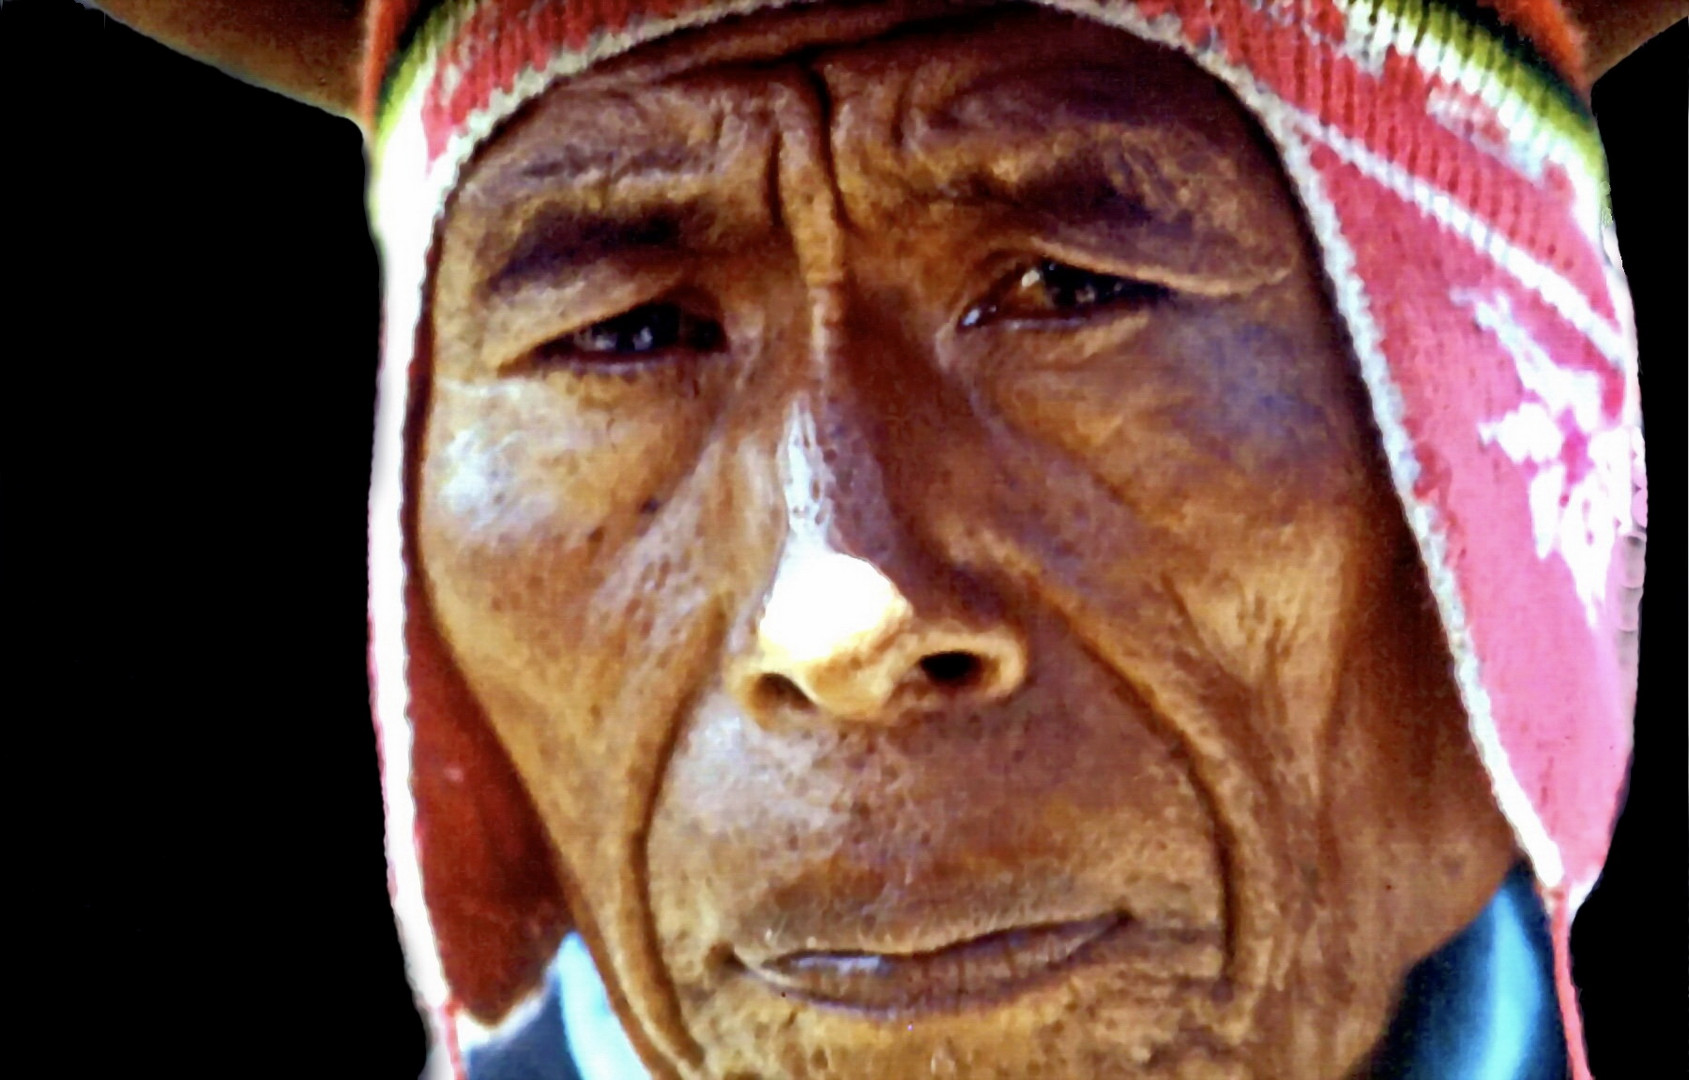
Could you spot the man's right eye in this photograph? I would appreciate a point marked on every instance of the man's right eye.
(646, 332)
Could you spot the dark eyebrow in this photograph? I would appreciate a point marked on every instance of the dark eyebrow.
(1077, 190)
(1115, 201)
(558, 239)
(1079, 149)
(575, 203)
(571, 162)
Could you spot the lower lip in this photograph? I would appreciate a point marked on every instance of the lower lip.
(982, 971)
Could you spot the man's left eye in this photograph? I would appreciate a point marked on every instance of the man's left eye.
(1053, 290)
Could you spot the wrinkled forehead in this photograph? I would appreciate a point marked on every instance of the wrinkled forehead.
(1040, 107)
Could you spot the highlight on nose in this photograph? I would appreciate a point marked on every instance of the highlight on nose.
(836, 636)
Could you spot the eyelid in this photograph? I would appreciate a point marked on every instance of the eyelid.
(515, 325)
(1236, 275)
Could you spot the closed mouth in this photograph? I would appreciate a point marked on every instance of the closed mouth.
(977, 971)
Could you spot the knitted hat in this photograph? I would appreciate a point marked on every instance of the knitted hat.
(1499, 360)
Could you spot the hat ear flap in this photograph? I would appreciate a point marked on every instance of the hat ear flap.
(490, 875)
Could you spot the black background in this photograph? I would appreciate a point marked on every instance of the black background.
(188, 335)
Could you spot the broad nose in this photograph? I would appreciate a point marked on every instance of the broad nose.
(836, 637)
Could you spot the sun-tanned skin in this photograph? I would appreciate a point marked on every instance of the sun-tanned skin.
(890, 489)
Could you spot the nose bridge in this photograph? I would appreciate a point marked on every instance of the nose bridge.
(806, 483)
(831, 472)
(831, 455)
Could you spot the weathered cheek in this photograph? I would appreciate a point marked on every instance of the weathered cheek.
(478, 492)
(1233, 444)
(523, 510)
(1195, 416)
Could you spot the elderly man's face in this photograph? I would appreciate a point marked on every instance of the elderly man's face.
(905, 506)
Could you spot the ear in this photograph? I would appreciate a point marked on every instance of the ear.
(1613, 29)
(306, 49)
(489, 872)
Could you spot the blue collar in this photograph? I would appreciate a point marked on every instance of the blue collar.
(1480, 1008)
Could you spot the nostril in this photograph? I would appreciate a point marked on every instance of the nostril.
(953, 670)
(774, 692)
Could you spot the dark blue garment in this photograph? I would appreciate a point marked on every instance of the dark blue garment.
(536, 1050)
(1480, 1008)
